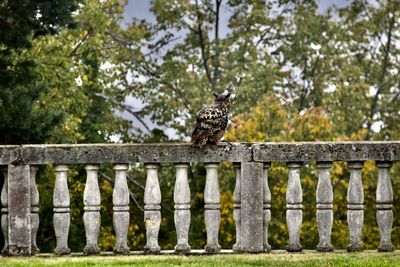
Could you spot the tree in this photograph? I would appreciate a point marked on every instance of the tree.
(284, 48)
(186, 58)
(21, 22)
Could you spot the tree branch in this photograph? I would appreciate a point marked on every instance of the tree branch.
(127, 108)
(131, 195)
(130, 178)
(118, 39)
(160, 44)
(202, 46)
(396, 96)
(381, 85)
(217, 44)
(169, 84)
(80, 43)
(264, 34)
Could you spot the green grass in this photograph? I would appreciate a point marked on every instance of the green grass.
(274, 259)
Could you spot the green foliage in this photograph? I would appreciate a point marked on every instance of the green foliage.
(23, 20)
(343, 61)
(67, 68)
(20, 87)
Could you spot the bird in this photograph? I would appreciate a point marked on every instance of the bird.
(211, 121)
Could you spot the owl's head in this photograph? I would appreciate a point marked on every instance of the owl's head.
(222, 100)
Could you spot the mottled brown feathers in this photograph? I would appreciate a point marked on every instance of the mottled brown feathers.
(211, 122)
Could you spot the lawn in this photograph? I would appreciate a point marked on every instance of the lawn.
(369, 258)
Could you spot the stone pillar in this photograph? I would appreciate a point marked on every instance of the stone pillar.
(266, 207)
(236, 206)
(61, 217)
(19, 210)
(324, 207)
(182, 208)
(212, 214)
(384, 205)
(4, 211)
(34, 209)
(121, 209)
(251, 213)
(355, 206)
(294, 213)
(91, 217)
(152, 207)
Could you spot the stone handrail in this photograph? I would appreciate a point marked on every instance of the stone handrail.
(252, 197)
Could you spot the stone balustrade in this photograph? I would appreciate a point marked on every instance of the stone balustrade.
(252, 195)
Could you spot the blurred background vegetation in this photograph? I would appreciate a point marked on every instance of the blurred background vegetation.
(72, 72)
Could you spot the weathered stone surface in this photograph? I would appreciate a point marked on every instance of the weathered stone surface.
(324, 207)
(121, 209)
(34, 210)
(212, 214)
(182, 208)
(266, 207)
(237, 207)
(9, 154)
(355, 200)
(61, 217)
(327, 151)
(185, 152)
(384, 205)
(125, 153)
(19, 210)
(91, 217)
(252, 219)
(152, 213)
(294, 213)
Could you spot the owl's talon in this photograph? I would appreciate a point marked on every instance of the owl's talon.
(229, 143)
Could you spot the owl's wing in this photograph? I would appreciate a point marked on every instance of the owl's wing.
(209, 121)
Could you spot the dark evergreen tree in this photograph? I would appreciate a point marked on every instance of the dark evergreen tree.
(21, 119)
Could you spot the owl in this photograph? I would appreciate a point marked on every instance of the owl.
(211, 122)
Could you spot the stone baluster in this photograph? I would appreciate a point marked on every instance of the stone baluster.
(294, 213)
(236, 206)
(251, 209)
(91, 217)
(266, 207)
(61, 217)
(4, 211)
(19, 209)
(34, 209)
(182, 208)
(384, 205)
(152, 207)
(121, 209)
(355, 206)
(212, 214)
(324, 207)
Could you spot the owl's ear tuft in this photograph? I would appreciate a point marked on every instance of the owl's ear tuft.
(215, 95)
(228, 95)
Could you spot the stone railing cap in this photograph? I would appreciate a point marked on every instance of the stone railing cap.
(383, 151)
